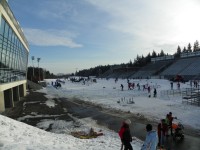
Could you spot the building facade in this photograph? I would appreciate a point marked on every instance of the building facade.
(14, 51)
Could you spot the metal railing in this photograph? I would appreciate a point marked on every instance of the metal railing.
(171, 92)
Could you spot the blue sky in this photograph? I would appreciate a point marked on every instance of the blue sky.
(70, 35)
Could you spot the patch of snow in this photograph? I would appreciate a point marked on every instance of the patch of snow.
(50, 103)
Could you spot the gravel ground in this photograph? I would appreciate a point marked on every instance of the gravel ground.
(35, 104)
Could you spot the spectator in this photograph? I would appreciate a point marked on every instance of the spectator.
(162, 130)
(155, 93)
(178, 86)
(171, 85)
(125, 135)
(170, 121)
(151, 140)
(122, 87)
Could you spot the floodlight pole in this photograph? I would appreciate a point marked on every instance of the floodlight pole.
(38, 60)
(33, 58)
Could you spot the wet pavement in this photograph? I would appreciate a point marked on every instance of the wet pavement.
(112, 119)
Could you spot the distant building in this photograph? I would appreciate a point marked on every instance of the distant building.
(14, 51)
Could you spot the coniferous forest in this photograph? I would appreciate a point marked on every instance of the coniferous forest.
(137, 62)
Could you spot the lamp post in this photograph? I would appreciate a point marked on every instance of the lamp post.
(33, 58)
(44, 73)
(38, 60)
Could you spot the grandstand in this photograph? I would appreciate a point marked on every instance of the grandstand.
(152, 69)
(119, 72)
(186, 67)
(193, 69)
(126, 74)
(167, 67)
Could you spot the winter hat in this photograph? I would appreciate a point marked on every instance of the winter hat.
(149, 127)
(127, 121)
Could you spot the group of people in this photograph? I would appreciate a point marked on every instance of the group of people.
(195, 83)
(131, 86)
(56, 85)
(163, 128)
(150, 142)
(178, 85)
(153, 138)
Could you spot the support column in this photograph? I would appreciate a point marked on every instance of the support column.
(24, 87)
(8, 98)
(2, 104)
(16, 96)
(22, 90)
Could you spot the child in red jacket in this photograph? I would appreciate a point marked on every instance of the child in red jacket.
(125, 135)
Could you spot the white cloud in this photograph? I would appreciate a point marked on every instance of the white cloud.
(57, 10)
(153, 22)
(51, 38)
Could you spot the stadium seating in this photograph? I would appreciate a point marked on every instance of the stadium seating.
(151, 69)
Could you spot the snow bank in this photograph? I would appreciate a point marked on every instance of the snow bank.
(19, 136)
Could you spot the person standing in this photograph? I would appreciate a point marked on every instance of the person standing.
(162, 130)
(178, 86)
(122, 87)
(151, 140)
(155, 93)
(170, 121)
(138, 85)
(171, 85)
(125, 135)
(167, 123)
(149, 89)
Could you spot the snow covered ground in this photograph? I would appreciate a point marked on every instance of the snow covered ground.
(19, 136)
(16, 135)
(108, 93)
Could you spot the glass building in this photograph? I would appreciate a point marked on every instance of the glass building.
(14, 53)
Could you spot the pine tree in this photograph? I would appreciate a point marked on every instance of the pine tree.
(184, 50)
(162, 53)
(196, 46)
(148, 58)
(189, 48)
(130, 64)
(154, 54)
(178, 52)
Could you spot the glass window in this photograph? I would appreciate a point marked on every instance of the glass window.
(3, 60)
(2, 26)
(1, 43)
(10, 34)
(1, 37)
(13, 55)
(6, 30)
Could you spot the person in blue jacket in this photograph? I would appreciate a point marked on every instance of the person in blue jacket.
(151, 140)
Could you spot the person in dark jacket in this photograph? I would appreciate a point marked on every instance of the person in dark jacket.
(122, 87)
(125, 135)
(154, 92)
(162, 131)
